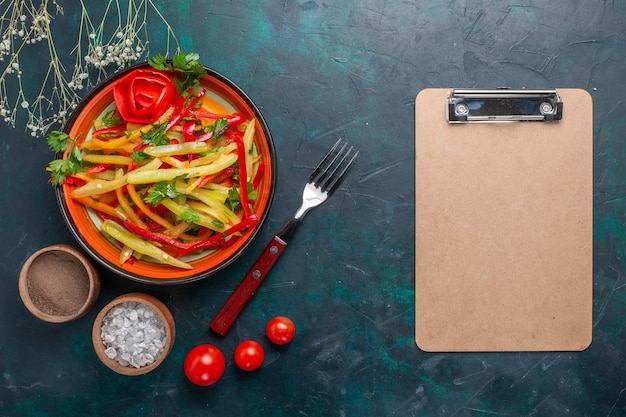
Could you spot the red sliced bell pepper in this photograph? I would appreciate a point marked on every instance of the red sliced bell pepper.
(205, 136)
(70, 180)
(192, 103)
(153, 236)
(99, 168)
(104, 216)
(219, 240)
(189, 131)
(108, 132)
(213, 242)
(177, 114)
(152, 225)
(233, 136)
(233, 120)
(132, 166)
(258, 176)
(140, 147)
(183, 111)
(217, 178)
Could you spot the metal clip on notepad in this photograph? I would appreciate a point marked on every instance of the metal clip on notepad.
(503, 105)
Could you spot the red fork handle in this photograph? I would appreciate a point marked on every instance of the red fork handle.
(235, 304)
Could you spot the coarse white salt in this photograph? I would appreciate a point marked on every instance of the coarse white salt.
(133, 334)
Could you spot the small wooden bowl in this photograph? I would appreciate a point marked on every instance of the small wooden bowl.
(159, 310)
(58, 284)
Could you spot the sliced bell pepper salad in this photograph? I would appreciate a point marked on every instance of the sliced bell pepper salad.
(171, 177)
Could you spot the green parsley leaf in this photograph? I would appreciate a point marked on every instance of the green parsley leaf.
(58, 170)
(232, 201)
(180, 177)
(112, 118)
(252, 194)
(187, 67)
(58, 141)
(138, 156)
(75, 160)
(161, 190)
(189, 216)
(61, 168)
(218, 224)
(159, 62)
(156, 135)
(219, 127)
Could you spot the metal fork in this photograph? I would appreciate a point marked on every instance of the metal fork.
(322, 182)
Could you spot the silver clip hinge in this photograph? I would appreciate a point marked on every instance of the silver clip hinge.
(503, 105)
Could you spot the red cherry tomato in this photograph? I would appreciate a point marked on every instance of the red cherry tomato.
(249, 355)
(204, 365)
(280, 330)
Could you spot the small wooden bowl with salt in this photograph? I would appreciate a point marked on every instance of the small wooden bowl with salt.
(133, 334)
(58, 284)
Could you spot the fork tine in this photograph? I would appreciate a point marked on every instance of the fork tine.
(325, 175)
(326, 172)
(318, 168)
(334, 180)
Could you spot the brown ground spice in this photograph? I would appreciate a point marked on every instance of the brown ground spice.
(58, 283)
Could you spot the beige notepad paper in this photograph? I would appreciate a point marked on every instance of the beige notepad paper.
(503, 222)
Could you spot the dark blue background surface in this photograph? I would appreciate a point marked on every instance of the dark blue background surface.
(320, 70)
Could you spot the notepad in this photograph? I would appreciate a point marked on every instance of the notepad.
(503, 221)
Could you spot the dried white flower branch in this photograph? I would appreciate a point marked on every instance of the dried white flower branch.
(99, 51)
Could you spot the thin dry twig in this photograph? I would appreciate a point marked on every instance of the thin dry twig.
(98, 52)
